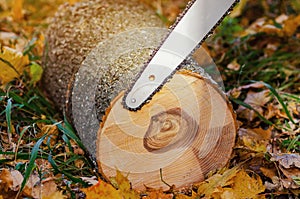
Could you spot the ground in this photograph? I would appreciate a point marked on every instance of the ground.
(257, 51)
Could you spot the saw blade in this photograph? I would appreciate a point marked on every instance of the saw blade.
(185, 36)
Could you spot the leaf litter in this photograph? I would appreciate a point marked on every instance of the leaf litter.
(265, 162)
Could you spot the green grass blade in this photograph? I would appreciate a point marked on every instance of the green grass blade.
(239, 102)
(67, 140)
(31, 164)
(293, 142)
(70, 176)
(69, 131)
(20, 139)
(8, 117)
(275, 93)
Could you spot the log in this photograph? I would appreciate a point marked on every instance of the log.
(75, 30)
(188, 128)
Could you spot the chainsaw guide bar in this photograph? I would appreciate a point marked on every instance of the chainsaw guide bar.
(145, 79)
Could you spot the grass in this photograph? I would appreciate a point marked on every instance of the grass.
(24, 109)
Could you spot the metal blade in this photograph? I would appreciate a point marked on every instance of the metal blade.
(198, 20)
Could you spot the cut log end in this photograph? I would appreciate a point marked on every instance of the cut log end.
(187, 130)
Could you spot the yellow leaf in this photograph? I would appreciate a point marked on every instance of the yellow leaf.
(215, 183)
(71, 2)
(12, 64)
(240, 186)
(102, 190)
(125, 187)
(17, 10)
(55, 195)
(291, 25)
(237, 11)
(246, 187)
(105, 190)
(255, 139)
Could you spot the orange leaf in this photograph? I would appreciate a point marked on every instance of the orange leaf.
(17, 10)
(102, 190)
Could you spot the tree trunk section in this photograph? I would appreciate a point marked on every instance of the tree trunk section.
(186, 130)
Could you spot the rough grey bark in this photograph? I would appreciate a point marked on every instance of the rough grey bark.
(77, 29)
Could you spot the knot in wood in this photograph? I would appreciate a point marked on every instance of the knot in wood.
(170, 129)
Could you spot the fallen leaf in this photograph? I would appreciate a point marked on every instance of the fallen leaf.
(268, 172)
(291, 25)
(255, 139)
(214, 183)
(17, 10)
(91, 180)
(257, 100)
(105, 190)
(287, 160)
(237, 11)
(31, 189)
(253, 85)
(52, 132)
(234, 65)
(6, 180)
(102, 190)
(234, 183)
(154, 194)
(247, 187)
(12, 64)
(49, 190)
(296, 179)
(36, 72)
(55, 195)
(125, 187)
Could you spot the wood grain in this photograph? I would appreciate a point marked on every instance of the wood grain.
(187, 130)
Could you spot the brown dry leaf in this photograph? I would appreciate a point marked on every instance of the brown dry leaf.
(287, 160)
(256, 100)
(12, 64)
(31, 189)
(255, 139)
(10, 183)
(268, 172)
(49, 190)
(253, 85)
(13, 175)
(215, 183)
(290, 173)
(55, 195)
(6, 181)
(234, 65)
(52, 132)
